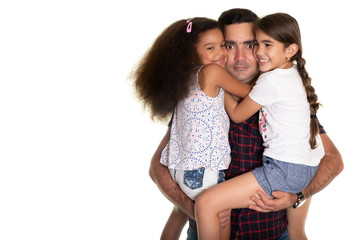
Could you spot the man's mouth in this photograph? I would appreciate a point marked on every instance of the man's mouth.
(240, 68)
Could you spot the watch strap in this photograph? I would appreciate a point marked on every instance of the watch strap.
(300, 200)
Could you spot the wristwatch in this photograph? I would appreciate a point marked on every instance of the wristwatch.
(300, 200)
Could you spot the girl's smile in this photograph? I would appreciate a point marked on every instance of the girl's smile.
(220, 61)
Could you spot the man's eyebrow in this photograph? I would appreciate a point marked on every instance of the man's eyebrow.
(230, 42)
(234, 42)
(249, 42)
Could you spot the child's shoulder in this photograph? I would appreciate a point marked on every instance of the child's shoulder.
(277, 72)
(265, 75)
(211, 69)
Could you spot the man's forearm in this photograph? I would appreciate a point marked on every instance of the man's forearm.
(330, 166)
(162, 178)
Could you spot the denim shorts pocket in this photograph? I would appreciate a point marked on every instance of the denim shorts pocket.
(221, 177)
(193, 179)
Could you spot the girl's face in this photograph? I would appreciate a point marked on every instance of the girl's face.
(211, 48)
(270, 53)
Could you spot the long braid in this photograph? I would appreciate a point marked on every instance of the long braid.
(311, 97)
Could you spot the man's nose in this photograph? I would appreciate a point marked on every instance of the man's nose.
(240, 54)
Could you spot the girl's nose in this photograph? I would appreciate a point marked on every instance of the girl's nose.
(258, 51)
(221, 51)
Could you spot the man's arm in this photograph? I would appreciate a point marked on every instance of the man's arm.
(161, 176)
(330, 166)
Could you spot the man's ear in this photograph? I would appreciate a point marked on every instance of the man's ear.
(291, 50)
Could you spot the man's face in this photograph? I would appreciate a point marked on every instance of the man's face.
(239, 42)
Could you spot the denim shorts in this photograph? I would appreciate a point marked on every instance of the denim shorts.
(193, 182)
(276, 175)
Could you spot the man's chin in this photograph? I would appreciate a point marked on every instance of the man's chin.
(241, 76)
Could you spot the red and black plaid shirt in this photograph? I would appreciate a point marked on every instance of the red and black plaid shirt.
(246, 154)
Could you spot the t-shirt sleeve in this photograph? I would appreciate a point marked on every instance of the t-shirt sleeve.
(265, 92)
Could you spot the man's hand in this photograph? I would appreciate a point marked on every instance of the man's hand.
(281, 200)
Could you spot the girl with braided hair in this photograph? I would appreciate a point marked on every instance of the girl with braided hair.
(288, 106)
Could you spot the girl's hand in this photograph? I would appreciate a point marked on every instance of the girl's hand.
(224, 217)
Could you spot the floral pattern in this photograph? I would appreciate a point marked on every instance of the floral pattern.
(199, 133)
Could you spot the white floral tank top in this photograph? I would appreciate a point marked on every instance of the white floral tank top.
(199, 132)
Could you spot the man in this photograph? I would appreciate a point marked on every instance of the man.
(269, 220)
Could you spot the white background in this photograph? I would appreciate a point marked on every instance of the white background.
(75, 144)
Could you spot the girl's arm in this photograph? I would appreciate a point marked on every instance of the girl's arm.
(216, 76)
(239, 112)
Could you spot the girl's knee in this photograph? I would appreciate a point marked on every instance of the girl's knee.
(200, 203)
(203, 204)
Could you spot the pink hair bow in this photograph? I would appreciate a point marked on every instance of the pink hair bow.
(189, 26)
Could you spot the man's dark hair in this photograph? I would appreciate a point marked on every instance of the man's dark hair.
(237, 15)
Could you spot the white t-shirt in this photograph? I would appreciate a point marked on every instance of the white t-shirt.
(284, 120)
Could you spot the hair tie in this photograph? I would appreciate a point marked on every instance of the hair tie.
(189, 26)
(313, 116)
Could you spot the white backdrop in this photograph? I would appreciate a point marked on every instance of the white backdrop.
(75, 144)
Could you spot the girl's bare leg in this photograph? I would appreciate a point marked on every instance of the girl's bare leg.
(297, 219)
(174, 224)
(233, 193)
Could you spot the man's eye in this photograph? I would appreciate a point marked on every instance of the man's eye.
(229, 46)
(251, 46)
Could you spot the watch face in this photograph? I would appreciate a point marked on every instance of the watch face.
(301, 202)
